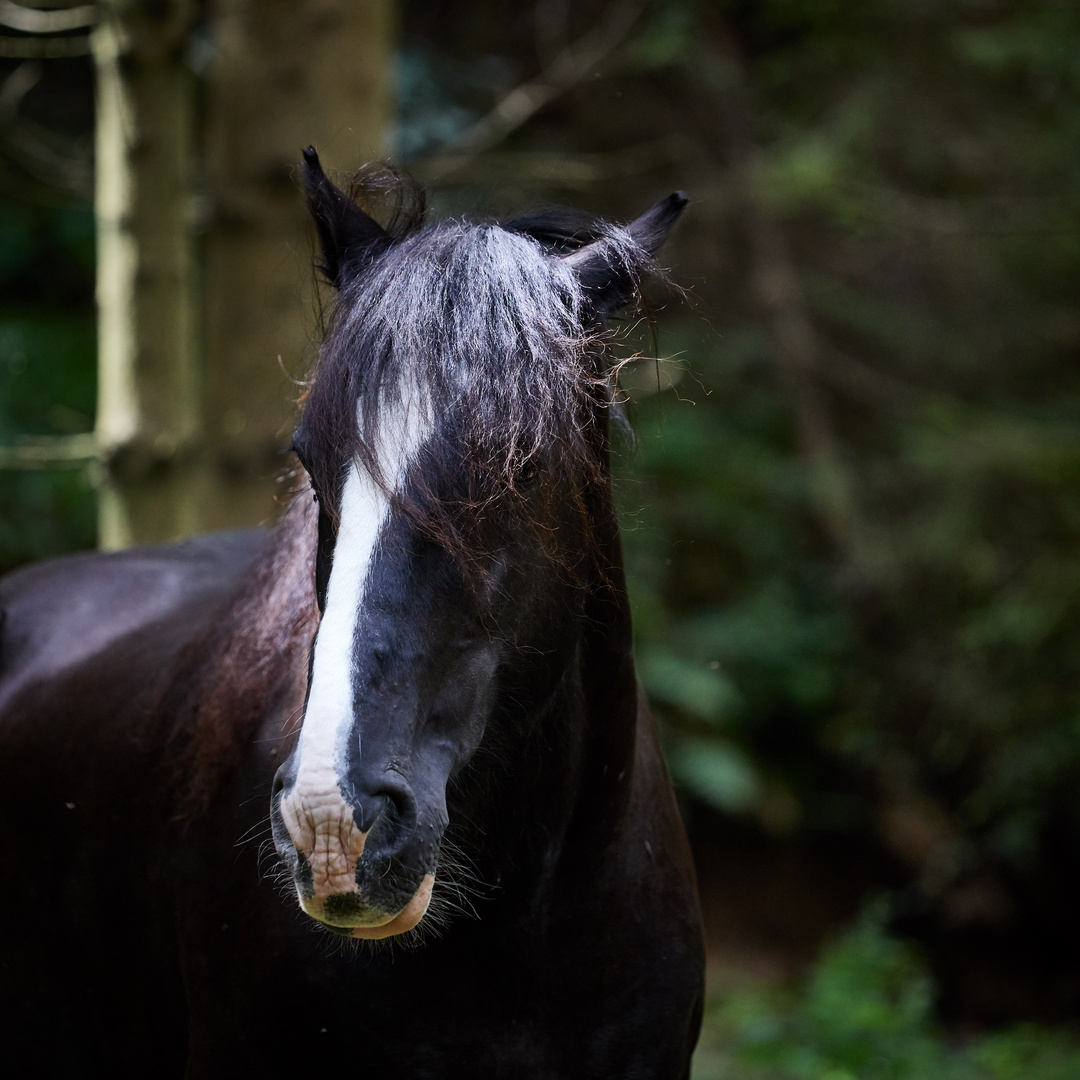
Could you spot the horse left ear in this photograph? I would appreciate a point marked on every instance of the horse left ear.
(609, 268)
(348, 237)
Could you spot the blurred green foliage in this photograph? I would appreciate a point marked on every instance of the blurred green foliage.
(739, 630)
(47, 374)
(878, 621)
(865, 1012)
(921, 163)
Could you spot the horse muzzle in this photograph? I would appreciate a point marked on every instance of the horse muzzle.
(369, 882)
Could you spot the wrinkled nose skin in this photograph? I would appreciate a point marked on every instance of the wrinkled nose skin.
(362, 859)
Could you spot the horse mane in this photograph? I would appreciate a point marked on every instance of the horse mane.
(224, 684)
(499, 336)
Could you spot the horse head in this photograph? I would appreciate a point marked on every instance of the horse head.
(455, 436)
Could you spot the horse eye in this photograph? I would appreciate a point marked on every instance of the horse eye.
(302, 458)
(524, 470)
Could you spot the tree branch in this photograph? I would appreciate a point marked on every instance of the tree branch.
(50, 452)
(567, 69)
(35, 21)
(776, 284)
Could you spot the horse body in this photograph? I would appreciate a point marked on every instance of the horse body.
(88, 973)
(476, 778)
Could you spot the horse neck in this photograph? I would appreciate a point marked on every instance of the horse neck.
(602, 735)
(566, 786)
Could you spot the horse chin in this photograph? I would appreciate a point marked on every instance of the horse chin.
(375, 924)
(406, 919)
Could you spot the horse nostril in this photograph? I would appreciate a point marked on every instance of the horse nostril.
(392, 805)
(279, 783)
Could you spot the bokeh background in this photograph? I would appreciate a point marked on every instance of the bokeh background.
(852, 507)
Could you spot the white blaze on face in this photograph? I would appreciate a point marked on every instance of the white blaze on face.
(318, 818)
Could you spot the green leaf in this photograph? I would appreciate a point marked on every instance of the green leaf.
(717, 772)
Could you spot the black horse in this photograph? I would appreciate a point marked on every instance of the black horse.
(427, 666)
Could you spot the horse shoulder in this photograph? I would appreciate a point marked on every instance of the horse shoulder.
(656, 822)
(627, 949)
(663, 927)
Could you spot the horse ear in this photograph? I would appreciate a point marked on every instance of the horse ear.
(348, 237)
(609, 268)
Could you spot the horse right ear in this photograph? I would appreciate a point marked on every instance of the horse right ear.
(609, 269)
(348, 237)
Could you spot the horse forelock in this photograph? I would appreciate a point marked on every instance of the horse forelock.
(491, 333)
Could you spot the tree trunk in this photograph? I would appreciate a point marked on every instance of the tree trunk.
(195, 340)
(286, 75)
(778, 288)
(148, 385)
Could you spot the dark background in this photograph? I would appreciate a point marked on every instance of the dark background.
(852, 508)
